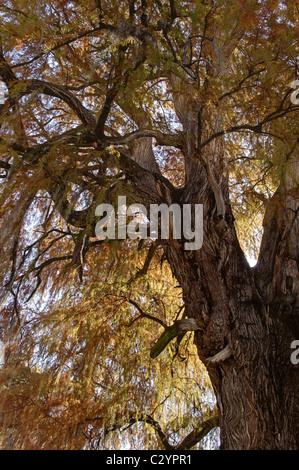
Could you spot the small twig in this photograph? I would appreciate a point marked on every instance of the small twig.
(144, 315)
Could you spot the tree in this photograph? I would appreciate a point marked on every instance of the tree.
(164, 102)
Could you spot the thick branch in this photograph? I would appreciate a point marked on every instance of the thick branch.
(150, 420)
(195, 436)
(173, 140)
(180, 326)
(78, 218)
(58, 91)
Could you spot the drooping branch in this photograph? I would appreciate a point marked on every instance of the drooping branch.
(11, 226)
(26, 87)
(41, 267)
(58, 46)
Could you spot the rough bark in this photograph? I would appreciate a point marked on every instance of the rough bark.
(254, 381)
(247, 317)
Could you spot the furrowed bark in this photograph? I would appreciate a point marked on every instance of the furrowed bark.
(245, 336)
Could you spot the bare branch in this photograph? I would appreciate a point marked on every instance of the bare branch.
(143, 314)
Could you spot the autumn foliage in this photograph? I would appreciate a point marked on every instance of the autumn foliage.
(95, 92)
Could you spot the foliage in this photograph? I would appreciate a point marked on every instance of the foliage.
(80, 315)
(82, 368)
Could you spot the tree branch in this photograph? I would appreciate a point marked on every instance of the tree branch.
(180, 326)
(58, 46)
(172, 140)
(143, 314)
(257, 128)
(195, 436)
(50, 89)
(147, 262)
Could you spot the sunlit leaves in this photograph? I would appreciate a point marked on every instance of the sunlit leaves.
(88, 365)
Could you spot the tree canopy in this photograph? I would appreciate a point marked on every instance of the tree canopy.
(105, 99)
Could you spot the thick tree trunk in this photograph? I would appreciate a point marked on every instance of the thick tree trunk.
(247, 317)
(251, 315)
(257, 401)
(255, 382)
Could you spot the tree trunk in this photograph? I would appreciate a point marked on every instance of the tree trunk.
(255, 383)
(248, 317)
(251, 315)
